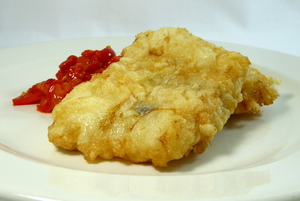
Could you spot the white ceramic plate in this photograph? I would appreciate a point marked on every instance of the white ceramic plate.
(255, 157)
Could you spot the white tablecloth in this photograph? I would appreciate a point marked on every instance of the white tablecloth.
(270, 24)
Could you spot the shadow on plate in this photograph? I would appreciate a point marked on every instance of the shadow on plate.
(220, 145)
(234, 134)
(189, 163)
(225, 142)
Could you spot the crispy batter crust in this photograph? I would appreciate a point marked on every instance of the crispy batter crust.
(169, 95)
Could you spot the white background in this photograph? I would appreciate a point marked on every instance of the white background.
(270, 24)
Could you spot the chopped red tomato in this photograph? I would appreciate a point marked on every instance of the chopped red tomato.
(72, 72)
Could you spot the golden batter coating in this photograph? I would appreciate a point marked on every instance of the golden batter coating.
(170, 93)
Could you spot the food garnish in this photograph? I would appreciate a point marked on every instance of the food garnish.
(73, 71)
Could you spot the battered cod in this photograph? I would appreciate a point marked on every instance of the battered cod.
(169, 94)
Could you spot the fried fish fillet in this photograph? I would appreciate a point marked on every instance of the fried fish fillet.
(169, 94)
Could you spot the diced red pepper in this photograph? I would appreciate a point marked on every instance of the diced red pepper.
(73, 71)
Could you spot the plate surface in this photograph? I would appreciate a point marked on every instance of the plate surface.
(255, 157)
